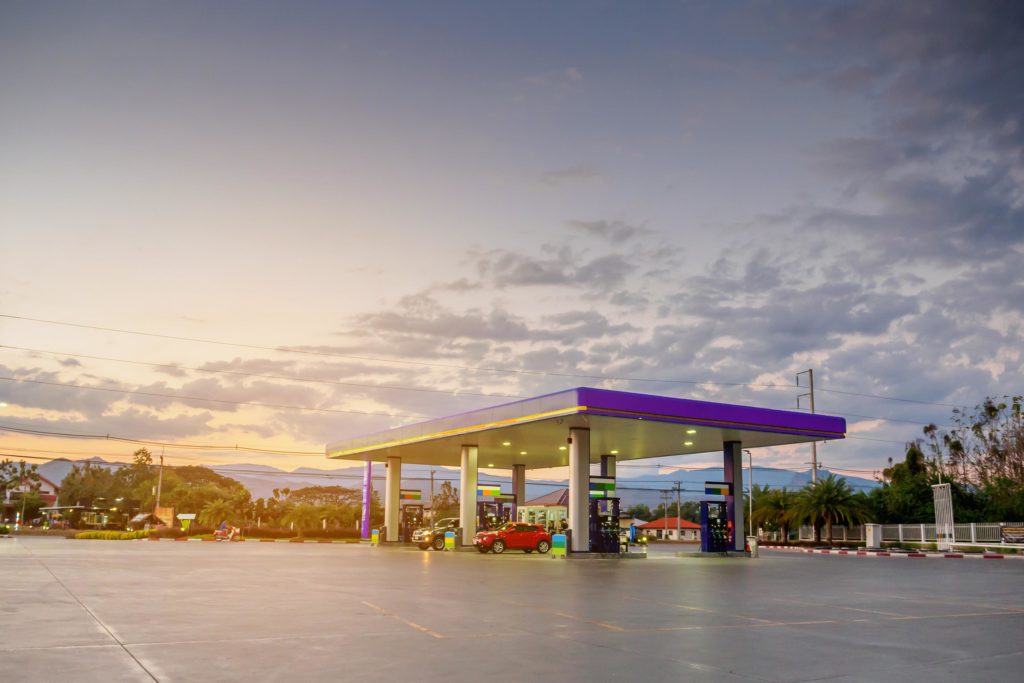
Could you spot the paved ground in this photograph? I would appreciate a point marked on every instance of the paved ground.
(140, 611)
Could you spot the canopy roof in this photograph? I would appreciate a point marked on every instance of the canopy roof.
(631, 426)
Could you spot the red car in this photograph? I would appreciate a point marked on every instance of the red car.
(513, 536)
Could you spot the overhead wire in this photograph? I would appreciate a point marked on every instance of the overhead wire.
(180, 397)
(289, 378)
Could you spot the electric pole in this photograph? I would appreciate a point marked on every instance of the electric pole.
(810, 395)
(160, 478)
(679, 512)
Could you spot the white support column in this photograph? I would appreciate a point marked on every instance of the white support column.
(579, 489)
(467, 494)
(519, 486)
(392, 487)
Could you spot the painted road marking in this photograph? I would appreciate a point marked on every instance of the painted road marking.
(412, 624)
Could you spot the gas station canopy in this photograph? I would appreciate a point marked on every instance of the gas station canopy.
(627, 425)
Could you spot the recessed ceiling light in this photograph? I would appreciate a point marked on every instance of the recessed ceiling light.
(522, 452)
(691, 431)
(506, 443)
(687, 443)
(561, 448)
(615, 452)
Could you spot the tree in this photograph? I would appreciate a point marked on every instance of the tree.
(445, 502)
(217, 511)
(639, 511)
(89, 483)
(339, 516)
(827, 501)
(775, 509)
(324, 495)
(14, 474)
(303, 516)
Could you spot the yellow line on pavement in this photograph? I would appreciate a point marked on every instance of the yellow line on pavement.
(412, 624)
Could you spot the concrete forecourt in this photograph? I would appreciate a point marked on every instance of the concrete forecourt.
(140, 611)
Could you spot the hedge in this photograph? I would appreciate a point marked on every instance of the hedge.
(4, 529)
(112, 535)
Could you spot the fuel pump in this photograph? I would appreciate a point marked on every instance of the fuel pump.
(715, 527)
(490, 514)
(604, 525)
(412, 519)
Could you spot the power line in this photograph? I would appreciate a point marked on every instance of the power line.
(455, 366)
(360, 384)
(376, 359)
(290, 378)
(148, 442)
(208, 400)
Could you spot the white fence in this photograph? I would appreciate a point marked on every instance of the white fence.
(914, 533)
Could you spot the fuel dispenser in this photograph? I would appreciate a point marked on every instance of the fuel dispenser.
(715, 527)
(412, 519)
(604, 525)
(490, 514)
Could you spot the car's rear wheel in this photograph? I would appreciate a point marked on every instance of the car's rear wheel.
(543, 547)
(483, 550)
(438, 544)
(498, 547)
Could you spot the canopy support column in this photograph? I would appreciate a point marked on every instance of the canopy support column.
(392, 487)
(579, 489)
(732, 465)
(467, 494)
(518, 488)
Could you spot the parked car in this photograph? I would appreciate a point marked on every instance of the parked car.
(513, 536)
(433, 537)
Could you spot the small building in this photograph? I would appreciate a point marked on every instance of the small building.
(665, 529)
(551, 508)
(11, 503)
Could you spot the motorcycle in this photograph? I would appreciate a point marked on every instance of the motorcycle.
(231, 533)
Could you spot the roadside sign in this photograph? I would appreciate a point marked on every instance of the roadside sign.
(717, 488)
(602, 487)
(558, 545)
(449, 540)
(1012, 534)
(410, 494)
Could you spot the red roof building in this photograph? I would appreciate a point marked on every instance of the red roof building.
(665, 528)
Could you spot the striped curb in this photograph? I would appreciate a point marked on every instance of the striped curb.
(886, 553)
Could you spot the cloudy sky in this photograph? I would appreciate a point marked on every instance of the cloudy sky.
(382, 213)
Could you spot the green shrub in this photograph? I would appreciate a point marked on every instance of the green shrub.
(4, 529)
(112, 535)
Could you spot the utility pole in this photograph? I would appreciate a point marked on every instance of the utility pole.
(679, 512)
(814, 444)
(160, 478)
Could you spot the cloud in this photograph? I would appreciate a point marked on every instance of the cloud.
(571, 175)
(613, 231)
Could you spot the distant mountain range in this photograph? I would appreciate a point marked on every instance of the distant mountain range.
(261, 480)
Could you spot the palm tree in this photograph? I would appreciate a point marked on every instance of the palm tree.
(217, 511)
(777, 508)
(303, 516)
(828, 501)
